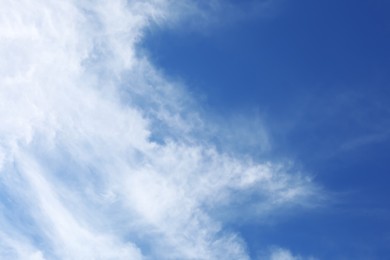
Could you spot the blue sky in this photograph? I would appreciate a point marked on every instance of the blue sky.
(318, 74)
(158, 129)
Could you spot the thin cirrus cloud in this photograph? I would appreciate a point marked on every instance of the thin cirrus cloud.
(277, 253)
(101, 157)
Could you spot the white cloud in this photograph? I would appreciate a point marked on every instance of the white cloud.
(282, 254)
(200, 16)
(100, 156)
(278, 253)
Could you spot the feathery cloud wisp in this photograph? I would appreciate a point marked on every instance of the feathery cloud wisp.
(100, 156)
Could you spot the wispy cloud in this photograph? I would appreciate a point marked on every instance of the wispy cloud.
(101, 157)
(203, 15)
(277, 253)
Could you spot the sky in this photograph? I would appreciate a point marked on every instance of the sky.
(161, 129)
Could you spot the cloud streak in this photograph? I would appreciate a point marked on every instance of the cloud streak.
(101, 157)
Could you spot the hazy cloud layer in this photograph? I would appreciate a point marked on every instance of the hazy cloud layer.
(103, 158)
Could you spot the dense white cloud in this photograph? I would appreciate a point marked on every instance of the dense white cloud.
(103, 158)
